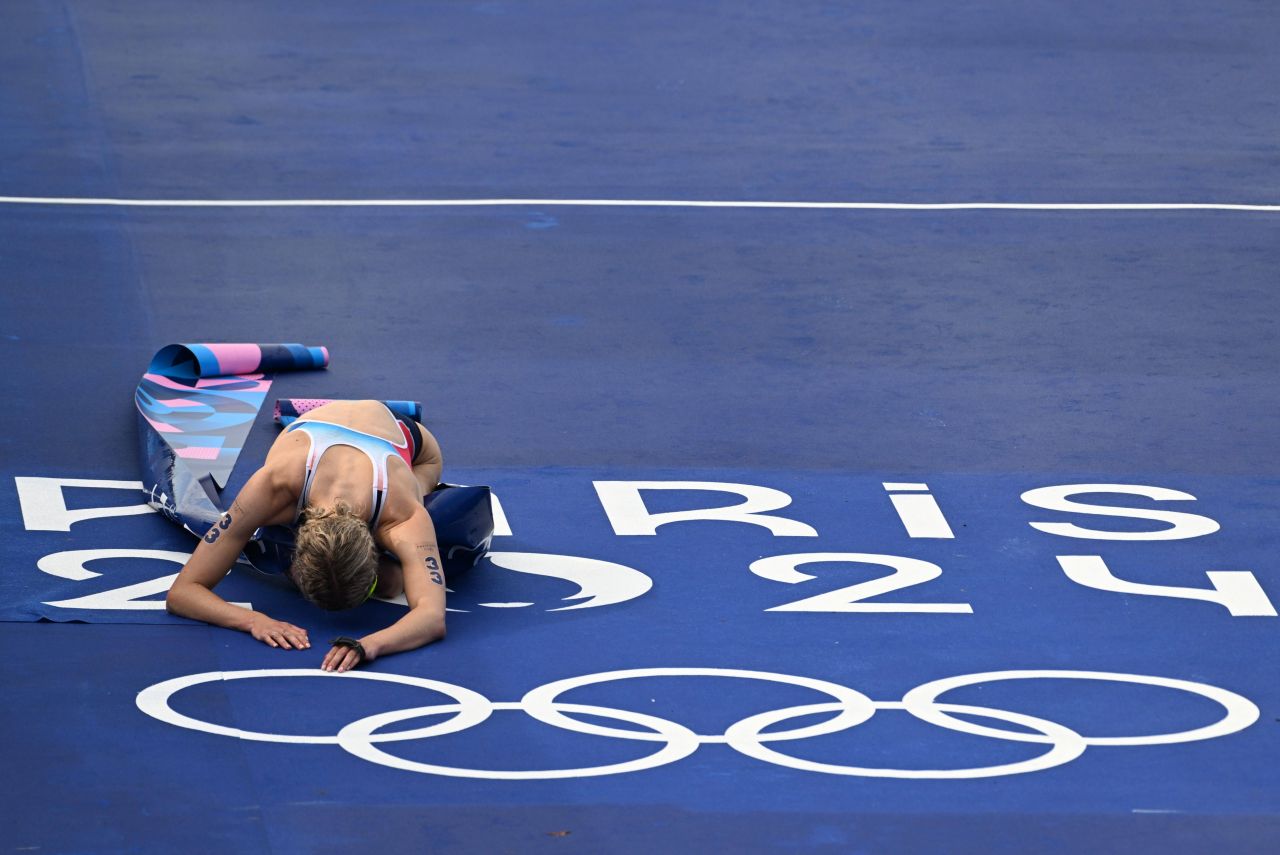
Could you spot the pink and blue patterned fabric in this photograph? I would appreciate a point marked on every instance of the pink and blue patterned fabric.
(196, 404)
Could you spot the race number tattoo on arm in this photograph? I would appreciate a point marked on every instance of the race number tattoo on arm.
(218, 528)
(223, 524)
(433, 566)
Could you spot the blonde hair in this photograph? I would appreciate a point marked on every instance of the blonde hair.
(335, 561)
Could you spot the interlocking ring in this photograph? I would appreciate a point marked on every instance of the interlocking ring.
(1241, 712)
(1067, 745)
(747, 736)
(356, 738)
(472, 707)
(853, 706)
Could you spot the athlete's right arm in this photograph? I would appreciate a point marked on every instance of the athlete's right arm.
(192, 593)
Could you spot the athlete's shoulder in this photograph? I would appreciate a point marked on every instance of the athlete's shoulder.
(400, 519)
(267, 498)
(284, 469)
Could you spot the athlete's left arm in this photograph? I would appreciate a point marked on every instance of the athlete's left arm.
(414, 543)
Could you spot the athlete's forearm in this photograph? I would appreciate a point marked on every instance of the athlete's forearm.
(192, 600)
(421, 626)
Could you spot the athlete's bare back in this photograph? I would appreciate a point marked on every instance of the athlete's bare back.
(347, 472)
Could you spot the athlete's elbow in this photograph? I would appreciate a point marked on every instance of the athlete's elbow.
(434, 631)
(179, 599)
(426, 635)
(173, 599)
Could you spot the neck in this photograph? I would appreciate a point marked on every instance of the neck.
(330, 497)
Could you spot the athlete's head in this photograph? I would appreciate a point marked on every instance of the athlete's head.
(335, 562)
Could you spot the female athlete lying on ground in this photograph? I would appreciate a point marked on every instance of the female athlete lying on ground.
(350, 475)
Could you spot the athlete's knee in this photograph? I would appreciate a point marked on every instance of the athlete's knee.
(430, 451)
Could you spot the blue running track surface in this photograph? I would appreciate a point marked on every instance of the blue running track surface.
(872, 531)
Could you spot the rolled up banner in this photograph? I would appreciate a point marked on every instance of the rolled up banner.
(196, 404)
(193, 361)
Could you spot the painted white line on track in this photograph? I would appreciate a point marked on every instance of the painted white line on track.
(636, 203)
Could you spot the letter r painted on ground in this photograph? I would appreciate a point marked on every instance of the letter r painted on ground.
(624, 504)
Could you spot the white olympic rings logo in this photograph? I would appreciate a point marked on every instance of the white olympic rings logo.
(747, 736)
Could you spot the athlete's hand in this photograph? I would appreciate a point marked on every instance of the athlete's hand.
(277, 633)
(343, 657)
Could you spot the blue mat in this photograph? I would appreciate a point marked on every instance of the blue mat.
(710, 648)
(823, 354)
